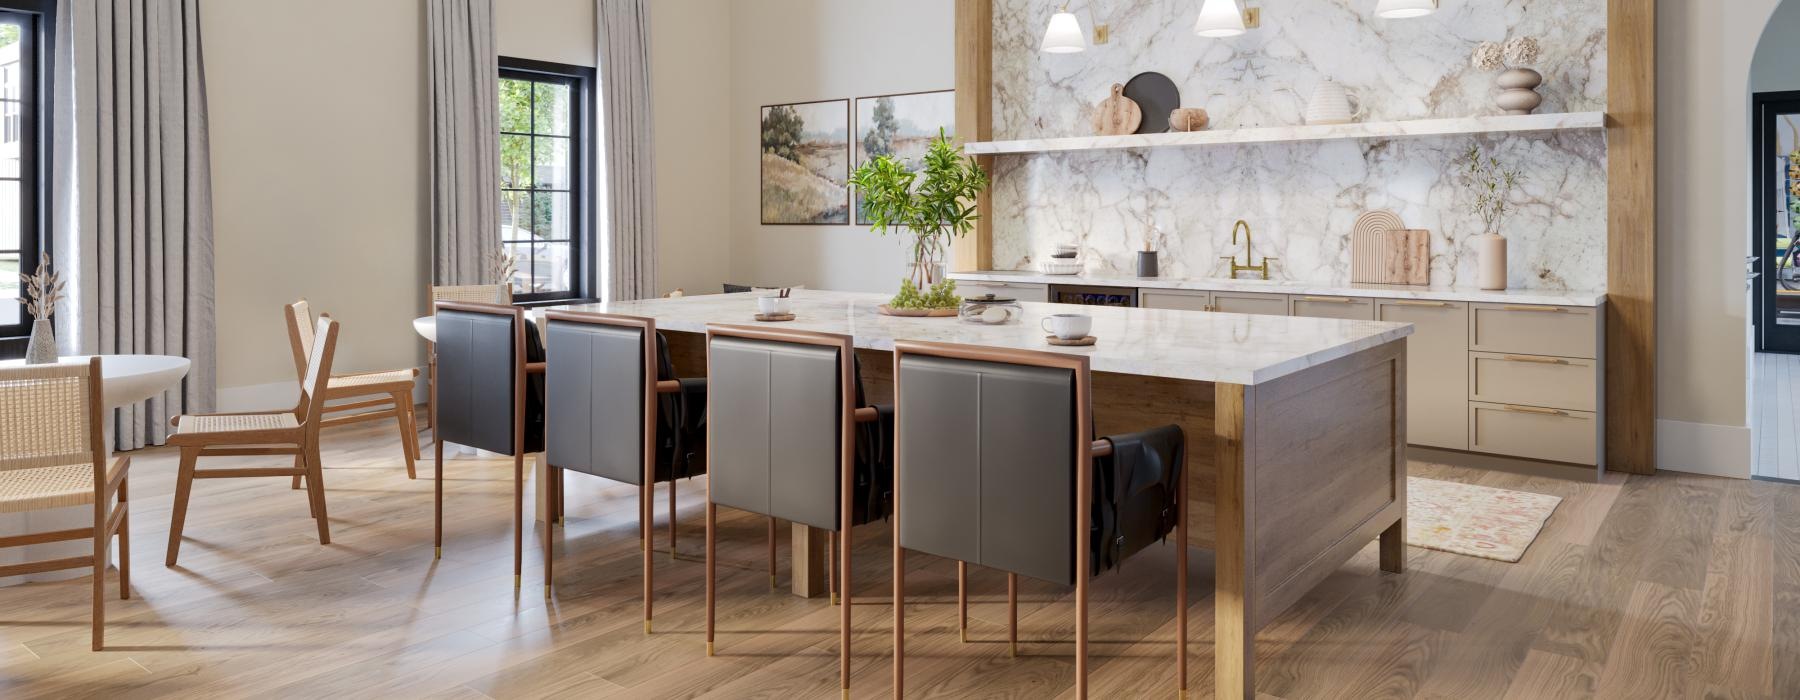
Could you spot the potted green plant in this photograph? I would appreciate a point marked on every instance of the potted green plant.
(934, 205)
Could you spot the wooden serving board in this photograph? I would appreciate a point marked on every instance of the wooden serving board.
(1118, 115)
(886, 310)
(1397, 256)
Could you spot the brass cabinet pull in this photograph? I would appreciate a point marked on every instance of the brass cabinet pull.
(1536, 360)
(1411, 302)
(1537, 309)
(1330, 300)
(1531, 409)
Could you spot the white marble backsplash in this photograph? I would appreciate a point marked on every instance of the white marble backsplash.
(1301, 199)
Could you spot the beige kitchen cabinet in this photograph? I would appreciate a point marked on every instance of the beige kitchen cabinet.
(1023, 291)
(1437, 370)
(1178, 299)
(1250, 303)
(1534, 380)
(1351, 308)
(1556, 331)
(1535, 433)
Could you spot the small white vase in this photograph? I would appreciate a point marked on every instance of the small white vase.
(1330, 104)
(1518, 90)
(1490, 260)
(41, 349)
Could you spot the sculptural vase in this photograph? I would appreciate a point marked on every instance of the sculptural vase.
(41, 349)
(1518, 90)
(1490, 259)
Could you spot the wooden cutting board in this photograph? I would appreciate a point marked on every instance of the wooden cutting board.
(1382, 252)
(1118, 115)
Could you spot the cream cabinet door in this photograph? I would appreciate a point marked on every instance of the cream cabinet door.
(1351, 308)
(1179, 299)
(1250, 303)
(1437, 370)
(1023, 291)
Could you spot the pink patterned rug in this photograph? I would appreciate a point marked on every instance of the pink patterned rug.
(1477, 521)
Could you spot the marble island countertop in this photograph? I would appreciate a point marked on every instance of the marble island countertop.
(1212, 347)
(1379, 291)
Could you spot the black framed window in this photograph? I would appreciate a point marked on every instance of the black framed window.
(22, 232)
(545, 191)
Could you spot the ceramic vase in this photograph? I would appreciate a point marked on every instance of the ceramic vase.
(1330, 104)
(1518, 90)
(1490, 259)
(41, 350)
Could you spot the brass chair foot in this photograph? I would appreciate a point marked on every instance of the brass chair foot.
(518, 581)
(965, 636)
(1012, 650)
(709, 649)
(771, 582)
(1181, 694)
(646, 627)
(439, 554)
(846, 694)
(546, 591)
(834, 600)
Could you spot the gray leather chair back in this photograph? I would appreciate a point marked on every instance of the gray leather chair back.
(774, 410)
(475, 379)
(986, 464)
(595, 404)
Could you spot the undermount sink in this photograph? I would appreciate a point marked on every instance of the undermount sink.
(1250, 280)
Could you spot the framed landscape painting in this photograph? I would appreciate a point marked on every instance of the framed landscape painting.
(901, 126)
(806, 163)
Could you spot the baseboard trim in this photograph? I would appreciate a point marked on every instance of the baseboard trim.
(279, 396)
(1703, 448)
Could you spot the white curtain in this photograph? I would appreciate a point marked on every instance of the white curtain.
(133, 196)
(464, 76)
(624, 153)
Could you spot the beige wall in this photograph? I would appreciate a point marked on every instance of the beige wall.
(690, 59)
(804, 50)
(559, 31)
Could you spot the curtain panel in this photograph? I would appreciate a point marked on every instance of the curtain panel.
(625, 149)
(133, 196)
(464, 77)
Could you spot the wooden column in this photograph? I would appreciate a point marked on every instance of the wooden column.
(808, 561)
(1234, 630)
(975, 120)
(1631, 236)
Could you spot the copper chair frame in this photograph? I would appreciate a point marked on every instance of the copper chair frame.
(849, 416)
(653, 386)
(1086, 449)
(522, 368)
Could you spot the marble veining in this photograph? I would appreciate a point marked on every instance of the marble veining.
(1198, 346)
(1586, 297)
(1302, 197)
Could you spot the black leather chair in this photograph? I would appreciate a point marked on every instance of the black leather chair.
(793, 440)
(606, 373)
(996, 465)
(490, 396)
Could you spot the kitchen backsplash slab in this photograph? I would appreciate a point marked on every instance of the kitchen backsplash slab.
(1301, 199)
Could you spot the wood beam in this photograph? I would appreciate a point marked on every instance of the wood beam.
(975, 121)
(1631, 236)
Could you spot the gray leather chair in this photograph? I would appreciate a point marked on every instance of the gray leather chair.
(783, 409)
(485, 354)
(996, 465)
(614, 409)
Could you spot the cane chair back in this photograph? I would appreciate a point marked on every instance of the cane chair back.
(49, 416)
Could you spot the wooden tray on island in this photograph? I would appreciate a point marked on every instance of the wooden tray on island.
(886, 310)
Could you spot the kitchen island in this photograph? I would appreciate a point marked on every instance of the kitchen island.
(1295, 428)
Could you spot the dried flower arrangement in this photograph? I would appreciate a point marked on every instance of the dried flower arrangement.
(1488, 56)
(502, 266)
(42, 290)
(1522, 51)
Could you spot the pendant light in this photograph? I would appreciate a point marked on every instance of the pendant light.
(1404, 9)
(1223, 18)
(1064, 34)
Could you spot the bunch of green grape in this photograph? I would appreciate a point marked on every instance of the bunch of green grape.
(940, 296)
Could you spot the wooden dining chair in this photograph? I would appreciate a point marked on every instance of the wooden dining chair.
(389, 393)
(293, 432)
(999, 495)
(51, 439)
(490, 370)
(475, 293)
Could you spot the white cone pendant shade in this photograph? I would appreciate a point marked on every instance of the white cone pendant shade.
(1405, 9)
(1064, 35)
(1220, 18)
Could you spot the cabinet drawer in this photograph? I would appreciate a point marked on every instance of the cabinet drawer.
(1561, 331)
(1250, 303)
(1532, 380)
(1023, 291)
(1351, 308)
(1534, 433)
(1179, 299)
(1437, 370)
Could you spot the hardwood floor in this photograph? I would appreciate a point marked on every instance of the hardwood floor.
(1642, 587)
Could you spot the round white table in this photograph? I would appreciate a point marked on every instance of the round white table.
(124, 380)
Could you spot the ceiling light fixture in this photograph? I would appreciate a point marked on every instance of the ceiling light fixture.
(1223, 18)
(1405, 9)
(1065, 36)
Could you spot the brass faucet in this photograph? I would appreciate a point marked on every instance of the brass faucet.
(1262, 268)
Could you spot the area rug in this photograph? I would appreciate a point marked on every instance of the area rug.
(1477, 521)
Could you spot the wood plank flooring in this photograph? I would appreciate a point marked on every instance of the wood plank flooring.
(1671, 586)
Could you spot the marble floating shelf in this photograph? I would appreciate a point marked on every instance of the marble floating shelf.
(1496, 124)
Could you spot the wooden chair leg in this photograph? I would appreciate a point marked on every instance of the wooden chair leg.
(184, 486)
(1012, 615)
(312, 509)
(646, 512)
(899, 616)
(315, 492)
(437, 490)
(549, 523)
(431, 389)
(771, 552)
(101, 539)
(408, 438)
(962, 601)
(124, 543)
(671, 519)
(712, 517)
(831, 566)
(518, 519)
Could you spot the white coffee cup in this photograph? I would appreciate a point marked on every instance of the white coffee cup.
(1068, 326)
(774, 306)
